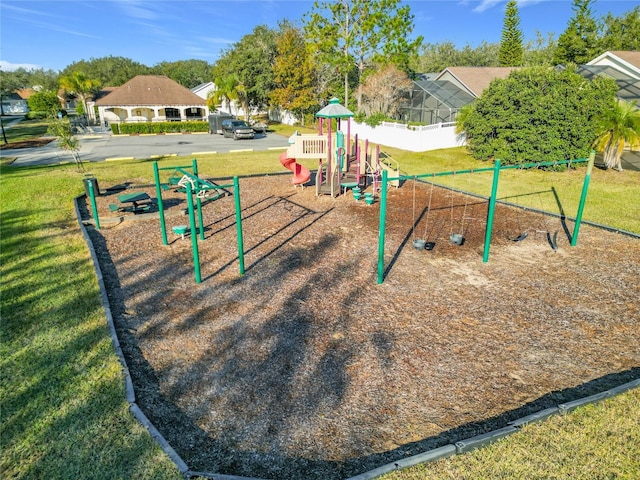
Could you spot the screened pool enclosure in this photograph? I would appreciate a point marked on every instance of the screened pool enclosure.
(434, 101)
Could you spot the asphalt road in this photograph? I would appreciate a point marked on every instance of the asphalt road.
(105, 147)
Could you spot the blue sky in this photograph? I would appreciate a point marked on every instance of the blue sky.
(53, 34)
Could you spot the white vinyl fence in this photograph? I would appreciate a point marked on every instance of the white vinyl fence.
(414, 139)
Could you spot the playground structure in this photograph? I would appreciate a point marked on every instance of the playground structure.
(343, 162)
(458, 238)
(185, 178)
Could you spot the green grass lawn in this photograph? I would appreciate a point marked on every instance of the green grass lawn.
(63, 407)
(25, 129)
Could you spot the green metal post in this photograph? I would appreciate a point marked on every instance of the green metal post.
(236, 195)
(163, 226)
(383, 220)
(583, 199)
(491, 210)
(92, 197)
(194, 168)
(194, 237)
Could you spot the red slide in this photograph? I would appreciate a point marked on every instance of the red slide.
(301, 174)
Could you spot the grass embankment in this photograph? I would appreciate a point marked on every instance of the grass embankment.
(24, 130)
(63, 407)
(64, 413)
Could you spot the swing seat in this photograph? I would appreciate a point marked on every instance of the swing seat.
(553, 241)
(456, 238)
(180, 230)
(521, 237)
(419, 244)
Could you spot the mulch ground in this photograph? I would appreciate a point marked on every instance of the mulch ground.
(306, 368)
(32, 142)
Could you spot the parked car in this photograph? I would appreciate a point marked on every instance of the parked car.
(236, 129)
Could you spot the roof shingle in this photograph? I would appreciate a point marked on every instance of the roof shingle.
(150, 90)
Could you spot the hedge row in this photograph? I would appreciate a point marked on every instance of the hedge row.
(159, 127)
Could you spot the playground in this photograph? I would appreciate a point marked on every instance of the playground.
(306, 367)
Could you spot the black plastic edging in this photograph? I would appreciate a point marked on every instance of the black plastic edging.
(535, 417)
(426, 457)
(217, 476)
(484, 439)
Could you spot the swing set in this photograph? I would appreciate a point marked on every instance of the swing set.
(457, 238)
(552, 239)
(185, 179)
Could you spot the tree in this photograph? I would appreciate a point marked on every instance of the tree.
(251, 60)
(437, 57)
(226, 91)
(537, 114)
(293, 74)
(47, 103)
(539, 52)
(384, 91)
(188, 73)
(361, 33)
(578, 44)
(22, 78)
(109, 71)
(617, 126)
(511, 49)
(61, 128)
(621, 33)
(81, 85)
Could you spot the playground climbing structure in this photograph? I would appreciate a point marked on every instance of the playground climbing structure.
(343, 162)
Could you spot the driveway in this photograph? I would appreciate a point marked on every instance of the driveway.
(101, 147)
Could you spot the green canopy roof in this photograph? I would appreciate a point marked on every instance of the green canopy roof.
(334, 110)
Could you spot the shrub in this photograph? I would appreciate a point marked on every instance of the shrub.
(375, 119)
(159, 127)
(536, 115)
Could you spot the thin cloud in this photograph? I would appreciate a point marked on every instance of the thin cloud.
(10, 67)
(7, 7)
(217, 40)
(137, 10)
(486, 5)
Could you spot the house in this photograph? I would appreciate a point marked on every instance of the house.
(434, 101)
(151, 98)
(474, 80)
(15, 103)
(204, 89)
(623, 67)
(437, 97)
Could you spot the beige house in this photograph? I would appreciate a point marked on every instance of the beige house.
(151, 98)
(623, 67)
(473, 80)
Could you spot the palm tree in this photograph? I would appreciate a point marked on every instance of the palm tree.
(80, 84)
(618, 126)
(226, 90)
